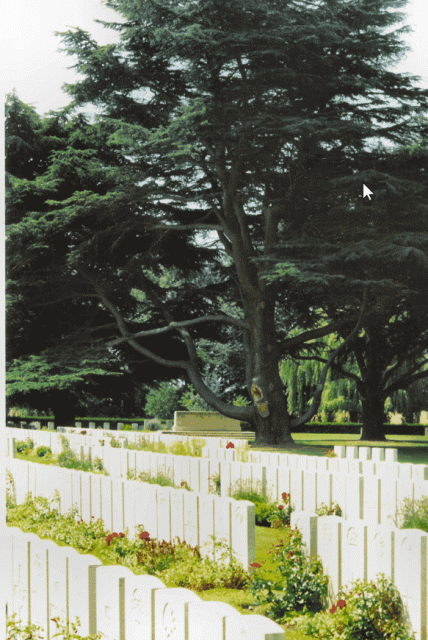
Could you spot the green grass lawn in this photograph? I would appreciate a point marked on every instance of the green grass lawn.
(412, 449)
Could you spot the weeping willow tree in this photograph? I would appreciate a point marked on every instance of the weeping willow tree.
(341, 400)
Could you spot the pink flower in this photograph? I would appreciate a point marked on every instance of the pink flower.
(230, 445)
(256, 565)
(144, 535)
(280, 507)
(285, 496)
(333, 609)
(341, 603)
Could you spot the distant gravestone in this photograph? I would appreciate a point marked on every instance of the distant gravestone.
(106, 425)
(204, 421)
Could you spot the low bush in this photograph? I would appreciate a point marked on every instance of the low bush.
(44, 451)
(153, 425)
(24, 446)
(363, 610)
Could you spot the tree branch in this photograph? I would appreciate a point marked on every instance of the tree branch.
(184, 323)
(406, 380)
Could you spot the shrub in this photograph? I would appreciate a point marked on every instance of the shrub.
(43, 451)
(115, 444)
(413, 514)
(162, 401)
(24, 446)
(323, 510)
(154, 425)
(127, 427)
(369, 611)
(303, 585)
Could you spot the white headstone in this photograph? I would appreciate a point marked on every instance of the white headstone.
(171, 612)
(354, 551)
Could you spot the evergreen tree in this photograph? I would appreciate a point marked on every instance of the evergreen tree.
(224, 114)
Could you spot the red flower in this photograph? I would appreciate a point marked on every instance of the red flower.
(53, 619)
(290, 554)
(285, 496)
(121, 535)
(280, 507)
(256, 565)
(333, 609)
(144, 535)
(230, 445)
(341, 603)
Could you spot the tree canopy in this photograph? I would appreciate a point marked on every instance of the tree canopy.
(249, 121)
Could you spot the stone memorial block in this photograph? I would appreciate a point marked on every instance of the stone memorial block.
(284, 479)
(388, 500)
(118, 508)
(250, 477)
(372, 499)
(169, 466)
(171, 612)
(365, 453)
(21, 558)
(226, 478)
(354, 551)
(272, 487)
(342, 466)
(387, 469)
(6, 551)
(229, 454)
(153, 464)
(237, 482)
(78, 425)
(274, 459)
(410, 577)
(161, 460)
(223, 525)
(86, 487)
(355, 467)
(254, 456)
(76, 487)
(207, 619)
(391, 455)
(129, 508)
(405, 471)
(185, 469)
(378, 454)
(339, 488)
(243, 523)
(132, 463)
(32, 470)
(405, 492)
(110, 601)
(334, 464)
(302, 462)
(136, 425)
(252, 626)
(420, 489)
(191, 518)
(307, 524)
(123, 455)
(177, 514)
(310, 481)
(96, 497)
(352, 453)
(82, 590)
(106, 502)
(293, 461)
(420, 474)
(329, 549)
(65, 492)
(340, 451)
(106, 425)
(195, 474)
(296, 488)
(379, 551)
(39, 572)
(164, 514)
(139, 601)
(205, 474)
(353, 504)
(321, 463)
(311, 463)
(178, 475)
(265, 458)
(258, 478)
(146, 507)
(206, 526)
(51, 425)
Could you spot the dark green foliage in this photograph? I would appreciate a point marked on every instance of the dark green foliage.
(250, 120)
(161, 402)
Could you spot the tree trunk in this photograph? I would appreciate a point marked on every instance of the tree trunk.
(272, 421)
(373, 418)
(64, 410)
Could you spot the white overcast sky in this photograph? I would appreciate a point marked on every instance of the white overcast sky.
(31, 64)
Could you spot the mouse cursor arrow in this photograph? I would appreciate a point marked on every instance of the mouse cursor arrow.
(366, 192)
